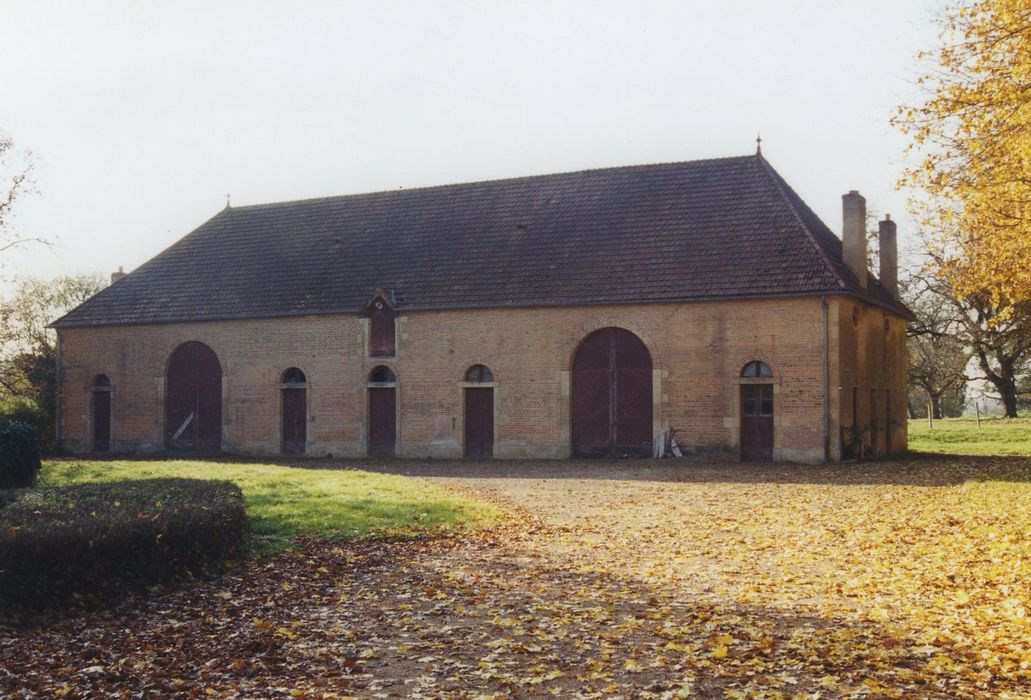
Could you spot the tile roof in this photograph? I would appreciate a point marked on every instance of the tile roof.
(708, 229)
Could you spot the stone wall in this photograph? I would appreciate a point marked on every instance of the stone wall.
(871, 381)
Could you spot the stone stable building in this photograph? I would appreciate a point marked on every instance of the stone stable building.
(539, 317)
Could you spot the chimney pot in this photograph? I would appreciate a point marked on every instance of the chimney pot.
(853, 234)
(115, 276)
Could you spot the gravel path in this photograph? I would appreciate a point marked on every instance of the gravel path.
(672, 579)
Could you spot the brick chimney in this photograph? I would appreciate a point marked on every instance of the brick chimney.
(888, 242)
(115, 276)
(853, 233)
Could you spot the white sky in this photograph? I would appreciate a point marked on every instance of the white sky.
(143, 115)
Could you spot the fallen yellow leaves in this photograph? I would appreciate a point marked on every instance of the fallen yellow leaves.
(722, 581)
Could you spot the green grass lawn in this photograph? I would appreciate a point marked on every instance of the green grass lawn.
(996, 436)
(284, 502)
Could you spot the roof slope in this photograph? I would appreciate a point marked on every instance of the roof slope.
(705, 229)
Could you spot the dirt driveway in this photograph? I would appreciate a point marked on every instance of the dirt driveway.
(686, 579)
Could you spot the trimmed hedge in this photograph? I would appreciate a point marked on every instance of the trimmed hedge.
(62, 544)
(19, 455)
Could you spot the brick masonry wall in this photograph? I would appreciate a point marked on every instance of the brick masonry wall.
(873, 364)
(697, 350)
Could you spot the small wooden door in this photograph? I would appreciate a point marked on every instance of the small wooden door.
(382, 421)
(757, 422)
(479, 422)
(101, 421)
(295, 423)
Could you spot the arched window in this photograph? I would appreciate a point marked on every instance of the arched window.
(479, 374)
(294, 376)
(756, 370)
(381, 374)
(101, 382)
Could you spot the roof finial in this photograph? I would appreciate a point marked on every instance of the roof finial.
(758, 144)
(227, 200)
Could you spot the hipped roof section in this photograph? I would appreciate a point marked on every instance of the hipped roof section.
(709, 229)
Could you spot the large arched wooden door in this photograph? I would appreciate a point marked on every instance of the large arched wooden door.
(193, 399)
(612, 395)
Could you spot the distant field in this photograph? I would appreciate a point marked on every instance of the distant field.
(996, 436)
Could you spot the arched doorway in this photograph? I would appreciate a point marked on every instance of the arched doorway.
(101, 400)
(382, 388)
(479, 412)
(193, 399)
(612, 395)
(294, 388)
(756, 412)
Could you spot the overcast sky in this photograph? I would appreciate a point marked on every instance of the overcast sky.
(141, 115)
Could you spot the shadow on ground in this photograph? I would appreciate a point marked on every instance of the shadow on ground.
(912, 470)
(460, 620)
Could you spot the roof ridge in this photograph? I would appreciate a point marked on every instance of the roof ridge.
(780, 184)
(497, 180)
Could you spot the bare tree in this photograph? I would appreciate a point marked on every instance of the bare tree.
(15, 182)
(938, 358)
(998, 341)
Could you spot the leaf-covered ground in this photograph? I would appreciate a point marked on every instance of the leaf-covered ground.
(683, 579)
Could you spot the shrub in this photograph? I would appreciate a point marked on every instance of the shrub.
(25, 410)
(19, 455)
(61, 544)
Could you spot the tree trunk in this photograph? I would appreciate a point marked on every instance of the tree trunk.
(1004, 380)
(1009, 398)
(936, 405)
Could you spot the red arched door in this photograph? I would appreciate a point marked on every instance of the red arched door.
(382, 389)
(612, 395)
(757, 411)
(479, 412)
(295, 412)
(193, 399)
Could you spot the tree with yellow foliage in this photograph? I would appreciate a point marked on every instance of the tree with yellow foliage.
(972, 140)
